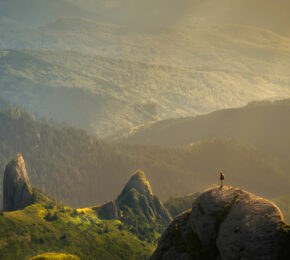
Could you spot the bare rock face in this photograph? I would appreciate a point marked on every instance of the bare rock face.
(109, 210)
(17, 191)
(224, 223)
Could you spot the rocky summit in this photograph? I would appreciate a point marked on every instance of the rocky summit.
(137, 195)
(17, 191)
(224, 223)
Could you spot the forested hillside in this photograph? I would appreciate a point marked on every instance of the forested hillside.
(264, 125)
(80, 170)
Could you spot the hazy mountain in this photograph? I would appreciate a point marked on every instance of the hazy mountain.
(74, 167)
(269, 14)
(110, 94)
(37, 12)
(265, 125)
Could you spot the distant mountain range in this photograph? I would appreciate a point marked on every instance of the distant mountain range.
(106, 95)
(120, 62)
(264, 125)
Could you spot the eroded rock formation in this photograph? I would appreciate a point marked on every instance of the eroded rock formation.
(224, 223)
(17, 191)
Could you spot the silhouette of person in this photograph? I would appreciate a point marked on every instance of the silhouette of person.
(222, 177)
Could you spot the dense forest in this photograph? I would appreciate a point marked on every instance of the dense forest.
(264, 125)
(80, 170)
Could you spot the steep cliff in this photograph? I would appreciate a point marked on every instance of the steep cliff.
(17, 191)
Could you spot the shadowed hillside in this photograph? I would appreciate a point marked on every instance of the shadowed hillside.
(264, 125)
(78, 169)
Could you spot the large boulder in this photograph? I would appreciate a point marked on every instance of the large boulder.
(17, 191)
(224, 223)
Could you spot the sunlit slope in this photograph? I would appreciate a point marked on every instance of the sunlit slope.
(45, 228)
(191, 43)
(74, 167)
(54, 256)
(265, 125)
(130, 93)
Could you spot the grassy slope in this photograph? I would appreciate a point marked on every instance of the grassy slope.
(55, 256)
(80, 233)
(79, 170)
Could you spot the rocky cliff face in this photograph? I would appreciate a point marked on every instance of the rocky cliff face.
(136, 195)
(224, 223)
(17, 191)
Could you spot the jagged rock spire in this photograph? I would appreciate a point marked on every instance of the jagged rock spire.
(17, 191)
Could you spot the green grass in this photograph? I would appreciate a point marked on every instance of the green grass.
(55, 256)
(77, 232)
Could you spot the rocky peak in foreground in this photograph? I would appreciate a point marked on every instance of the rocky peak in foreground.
(137, 196)
(224, 223)
(17, 191)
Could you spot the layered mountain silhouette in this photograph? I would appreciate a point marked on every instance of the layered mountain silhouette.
(56, 165)
(264, 125)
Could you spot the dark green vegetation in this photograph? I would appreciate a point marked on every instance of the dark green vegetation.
(176, 205)
(79, 170)
(262, 125)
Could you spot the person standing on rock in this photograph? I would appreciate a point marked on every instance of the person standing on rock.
(222, 177)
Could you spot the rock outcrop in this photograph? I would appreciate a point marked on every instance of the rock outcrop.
(224, 223)
(136, 195)
(109, 210)
(17, 191)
